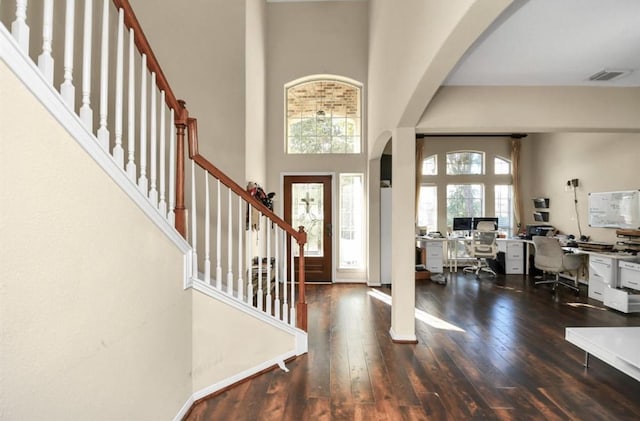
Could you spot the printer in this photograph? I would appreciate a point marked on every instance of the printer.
(533, 230)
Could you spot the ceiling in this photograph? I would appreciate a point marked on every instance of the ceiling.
(556, 42)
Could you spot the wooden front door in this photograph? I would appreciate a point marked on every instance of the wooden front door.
(307, 202)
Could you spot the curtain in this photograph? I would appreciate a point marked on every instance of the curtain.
(419, 158)
(517, 199)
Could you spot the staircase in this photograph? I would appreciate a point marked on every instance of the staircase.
(121, 110)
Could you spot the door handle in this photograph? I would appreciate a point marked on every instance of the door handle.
(329, 229)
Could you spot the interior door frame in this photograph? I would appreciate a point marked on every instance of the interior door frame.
(335, 222)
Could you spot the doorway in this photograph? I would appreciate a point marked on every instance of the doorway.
(307, 202)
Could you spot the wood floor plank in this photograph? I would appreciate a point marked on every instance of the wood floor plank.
(507, 360)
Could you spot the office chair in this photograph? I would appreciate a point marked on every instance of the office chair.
(550, 258)
(482, 247)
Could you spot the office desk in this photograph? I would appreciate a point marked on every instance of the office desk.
(441, 252)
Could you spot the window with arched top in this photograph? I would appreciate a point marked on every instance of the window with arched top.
(323, 117)
(501, 166)
(430, 165)
(465, 163)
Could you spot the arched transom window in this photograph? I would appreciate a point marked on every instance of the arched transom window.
(323, 117)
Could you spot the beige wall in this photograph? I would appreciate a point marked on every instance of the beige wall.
(303, 39)
(200, 46)
(504, 109)
(413, 45)
(255, 120)
(227, 342)
(600, 161)
(94, 319)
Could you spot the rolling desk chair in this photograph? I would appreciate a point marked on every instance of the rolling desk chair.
(482, 247)
(551, 258)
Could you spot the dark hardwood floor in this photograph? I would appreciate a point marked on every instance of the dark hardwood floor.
(503, 356)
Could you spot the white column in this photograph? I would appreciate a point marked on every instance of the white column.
(403, 235)
(103, 132)
(131, 112)
(45, 61)
(19, 28)
(268, 232)
(249, 256)
(67, 89)
(118, 151)
(86, 113)
(285, 304)
(276, 303)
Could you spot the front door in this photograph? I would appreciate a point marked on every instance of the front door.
(307, 202)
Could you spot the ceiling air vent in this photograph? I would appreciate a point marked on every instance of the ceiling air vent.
(606, 75)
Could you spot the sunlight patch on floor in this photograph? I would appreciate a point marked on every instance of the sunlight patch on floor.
(421, 315)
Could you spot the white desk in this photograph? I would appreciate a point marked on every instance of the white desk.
(617, 346)
(516, 253)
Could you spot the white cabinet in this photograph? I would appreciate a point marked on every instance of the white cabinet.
(434, 256)
(621, 300)
(629, 274)
(514, 258)
(602, 269)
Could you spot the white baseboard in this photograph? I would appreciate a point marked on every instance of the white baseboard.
(216, 387)
(402, 338)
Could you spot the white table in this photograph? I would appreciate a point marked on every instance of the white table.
(617, 346)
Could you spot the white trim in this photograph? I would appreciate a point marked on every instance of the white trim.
(402, 338)
(24, 68)
(202, 393)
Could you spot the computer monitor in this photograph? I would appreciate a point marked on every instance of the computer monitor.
(477, 220)
(462, 224)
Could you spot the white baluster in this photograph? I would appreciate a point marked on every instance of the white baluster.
(67, 89)
(285, 304)
(153, 130)
(103, 132)
(171, 216)
(118, 152)
(207, 229)
(218, 240)
(19, 27)
(292, 317)
(142, 180)
(240, 223)
(229, 245)
(268, 234)
(45, 61)
(131, 110)
(260, 291)
(249, 257)
(276, 303)
(86, 114)
(194, 232)
(162, 205)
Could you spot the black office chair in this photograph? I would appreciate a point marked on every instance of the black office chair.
(551, 258)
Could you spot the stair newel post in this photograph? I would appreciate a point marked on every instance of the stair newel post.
(180, 212)
(302, 300)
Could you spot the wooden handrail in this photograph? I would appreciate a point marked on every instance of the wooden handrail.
(131, 21)
(183, 121)
(192, 125)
